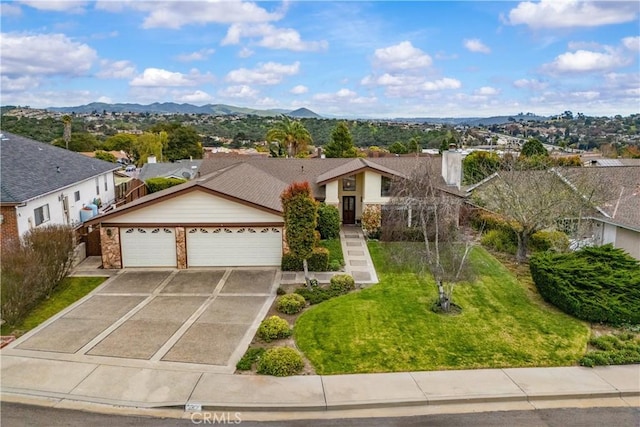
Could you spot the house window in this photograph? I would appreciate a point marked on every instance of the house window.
(106, 188)
(97, 185)
(76, 196)
(349, 183)
(385, 188)
(41, 214)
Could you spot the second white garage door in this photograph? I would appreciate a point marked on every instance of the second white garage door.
(148, 247)
(229, 247)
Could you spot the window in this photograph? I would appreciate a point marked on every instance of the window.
(349, 183)
(106, 187)
(97, 185)
(41, 214)
(385, 188)
(76, 196)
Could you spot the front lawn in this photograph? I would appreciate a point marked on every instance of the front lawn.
(390, 327)
(334, 246)
(69, 291)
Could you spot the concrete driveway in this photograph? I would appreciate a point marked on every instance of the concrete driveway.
(204, 316)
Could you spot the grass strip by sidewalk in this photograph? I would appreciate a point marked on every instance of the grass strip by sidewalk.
(389, 327)
(69, 291)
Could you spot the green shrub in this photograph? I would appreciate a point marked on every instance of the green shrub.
(341, 284)
(273, 328)
(290, 304)
(315, 295)
(280, 291)
(335, 265)
(555, 241)
(596, 284)
(160, 183)
(328, 221)
(251, 356)
(499, 240)
(280, 362)
(318, 261)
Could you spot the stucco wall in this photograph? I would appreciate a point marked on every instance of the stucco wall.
(628, 240)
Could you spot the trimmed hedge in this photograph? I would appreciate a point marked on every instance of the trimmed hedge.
(556, 241)
(318, 261)
(290, 303)
(273, 328)
(596, 284)
(328, 221)
(280, 362)
(341, 284)
(160, 183)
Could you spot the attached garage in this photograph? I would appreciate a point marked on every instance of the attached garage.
(148, 247)
(234, 246)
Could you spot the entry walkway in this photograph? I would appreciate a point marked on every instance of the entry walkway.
(356, 258)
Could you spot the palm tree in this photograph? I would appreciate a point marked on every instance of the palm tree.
(66, 120)
(290, 133)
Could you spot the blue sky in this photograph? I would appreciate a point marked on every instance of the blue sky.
(356, 58)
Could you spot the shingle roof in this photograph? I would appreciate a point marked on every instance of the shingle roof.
(177, 169)
(30, 168)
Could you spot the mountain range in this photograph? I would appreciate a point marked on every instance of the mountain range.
(223, 109)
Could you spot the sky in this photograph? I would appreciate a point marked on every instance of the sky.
(380, 59)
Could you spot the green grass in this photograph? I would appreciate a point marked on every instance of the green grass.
(390, 327)
(69, 291)
(335, 250)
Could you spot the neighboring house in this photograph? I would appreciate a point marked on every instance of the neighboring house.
(184, 169)
(231, 213)
(43, 184)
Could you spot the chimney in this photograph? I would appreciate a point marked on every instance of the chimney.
(151, 159)
(452, 167)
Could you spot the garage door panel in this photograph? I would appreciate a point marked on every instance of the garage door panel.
(148, 247)
(223, 247)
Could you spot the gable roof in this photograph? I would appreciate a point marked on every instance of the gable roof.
(185, 169)
(30, 169)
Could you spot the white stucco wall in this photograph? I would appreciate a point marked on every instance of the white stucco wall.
(331, 193)
(609, 234)
(628, 240)
(87, 188)
(372, 182)
(197, 207)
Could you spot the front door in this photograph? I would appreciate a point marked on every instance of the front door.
(349, 209)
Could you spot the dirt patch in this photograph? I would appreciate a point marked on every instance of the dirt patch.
(287, 342)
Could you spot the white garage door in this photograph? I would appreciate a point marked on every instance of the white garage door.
(148, 247)
(225, 247)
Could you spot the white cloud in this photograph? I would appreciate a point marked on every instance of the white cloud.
(57, 5)
(18, 84)
(175, 14)
(571, 13)
(245, 52)
(487, 91)
(531, 84)
(583, 61)
(197, 97)
(586, 95)
(402, 56)
(441, 84)
(475, 45)
(269, 73)
(299, 90)
(632, 43)
(343, 96)
(7, 9)
(116, 69)
(44, 54)
(157, 77)
(105, 99)
(199, 55)
(272, 37)
(239, 91)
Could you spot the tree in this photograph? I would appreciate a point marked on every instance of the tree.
(122, 142)
(533, 200)
(106, 156)
(147, 144)
(341, 143)
(291, 134)
(479, 165)
(79, 142)
(414, 145)
(398, 148)
(300, 221)
(445, 250)
(182, 142)
(66, 135)
(533, 147)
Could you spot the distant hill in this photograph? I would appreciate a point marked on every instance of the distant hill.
(475, 121)
(174, 108)
(304, 113)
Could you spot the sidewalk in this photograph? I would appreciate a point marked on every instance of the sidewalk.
(356, 258)
(66, 381)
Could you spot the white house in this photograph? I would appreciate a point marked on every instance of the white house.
(43, 184)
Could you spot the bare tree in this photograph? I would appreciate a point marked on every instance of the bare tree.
(434, 215)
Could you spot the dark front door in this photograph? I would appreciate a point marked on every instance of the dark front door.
(349, 209)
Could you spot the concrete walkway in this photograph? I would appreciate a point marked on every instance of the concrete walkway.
(356, 258)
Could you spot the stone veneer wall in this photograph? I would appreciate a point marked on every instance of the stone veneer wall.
(111, 254)
(181, 247)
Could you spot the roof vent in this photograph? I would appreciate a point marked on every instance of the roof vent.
(58, 169)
